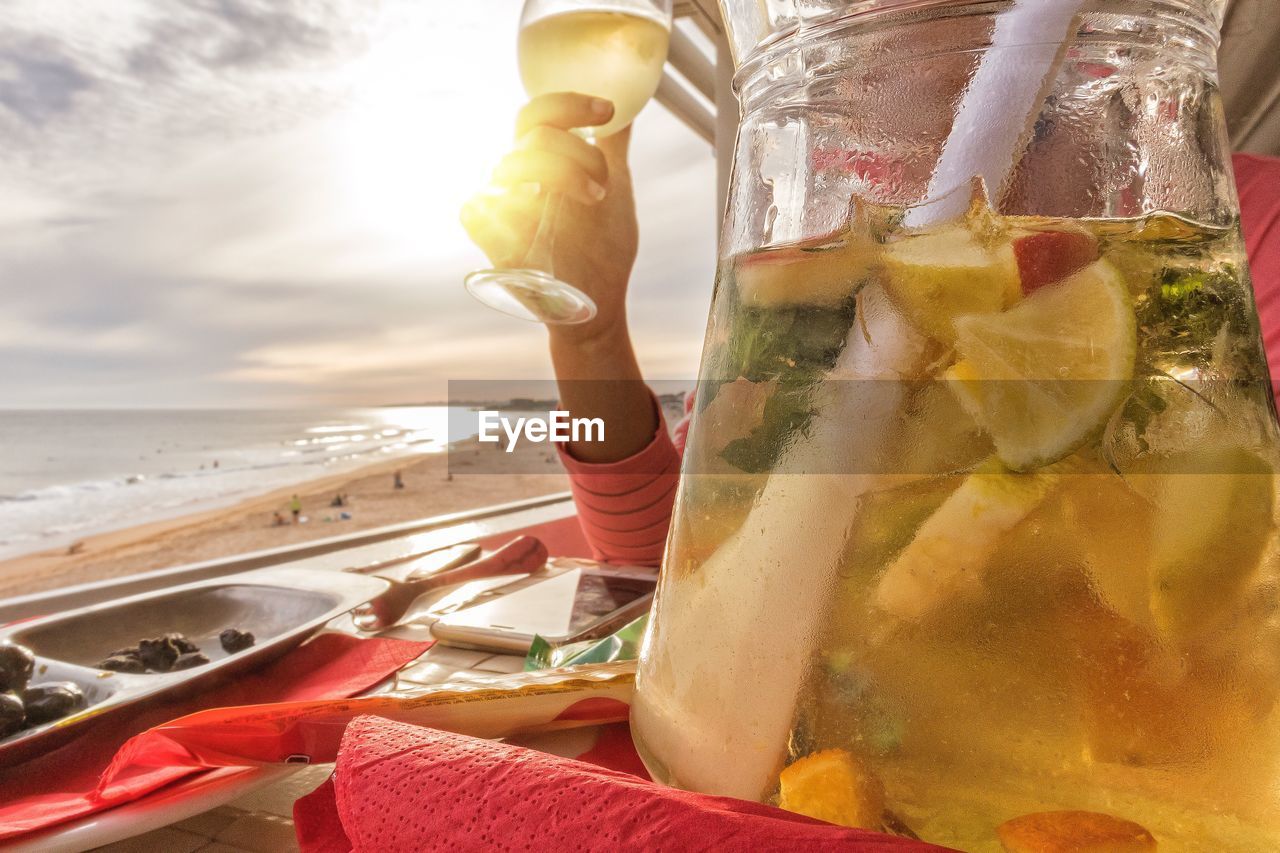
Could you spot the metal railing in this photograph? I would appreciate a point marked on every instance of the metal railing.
(506, 516)
(700, 92)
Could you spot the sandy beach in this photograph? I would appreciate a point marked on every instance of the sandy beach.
(249, 525)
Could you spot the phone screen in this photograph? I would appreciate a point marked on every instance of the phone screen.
(600, 595)
(557, 606)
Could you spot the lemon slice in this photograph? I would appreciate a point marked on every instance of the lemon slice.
(934, 278)
(1046, 375)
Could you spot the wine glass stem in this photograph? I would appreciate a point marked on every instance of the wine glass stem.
(541, 254)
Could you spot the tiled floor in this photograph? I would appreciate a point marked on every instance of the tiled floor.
(262, 822)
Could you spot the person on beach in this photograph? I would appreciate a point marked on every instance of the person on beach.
(624, 486)
(398, 482)
(277, 519)
(295, 507)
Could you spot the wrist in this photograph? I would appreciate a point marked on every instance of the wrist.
(601, 337)
(600, 353)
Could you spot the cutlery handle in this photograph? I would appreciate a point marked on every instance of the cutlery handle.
(522, 554)
(398, 568)
(429, 564)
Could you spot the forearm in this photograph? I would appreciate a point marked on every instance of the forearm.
(598, 377)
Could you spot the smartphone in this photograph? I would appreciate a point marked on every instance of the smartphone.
(566, 601)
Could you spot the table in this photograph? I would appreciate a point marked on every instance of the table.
(261, 821)
(251, 811)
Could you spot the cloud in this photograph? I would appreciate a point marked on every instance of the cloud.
(399, 360)
(239, 35)
(224, 202)
(90, 90)
(37, 82)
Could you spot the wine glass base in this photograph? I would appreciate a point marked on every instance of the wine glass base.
(531, 295)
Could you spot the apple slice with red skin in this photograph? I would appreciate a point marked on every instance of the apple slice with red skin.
(822, 272)
(1045, 257)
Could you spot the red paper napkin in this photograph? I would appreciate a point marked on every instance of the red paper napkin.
(404, 788)
(64, 784)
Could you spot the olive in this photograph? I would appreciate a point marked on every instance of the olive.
(189, 660)
(181, 643)
(123, 663)
(234, 640)
(158, 654)
(51, 701)
(16, 665)
(12, 715)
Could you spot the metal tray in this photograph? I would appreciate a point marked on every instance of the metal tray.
(282, 607)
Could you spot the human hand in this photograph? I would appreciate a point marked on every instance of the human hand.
(595, 232)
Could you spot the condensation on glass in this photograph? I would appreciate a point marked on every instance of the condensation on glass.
(977, 520)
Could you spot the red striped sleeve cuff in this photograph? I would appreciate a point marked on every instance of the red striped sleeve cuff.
(625, 507)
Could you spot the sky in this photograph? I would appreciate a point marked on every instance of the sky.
(244, 203)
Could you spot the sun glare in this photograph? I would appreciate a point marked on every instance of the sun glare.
(431, 113)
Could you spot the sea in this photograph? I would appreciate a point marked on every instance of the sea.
(67, 474)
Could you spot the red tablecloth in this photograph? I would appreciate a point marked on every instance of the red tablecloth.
(67, 784)
(399, 787)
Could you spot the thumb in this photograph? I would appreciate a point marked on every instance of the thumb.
(614, 147)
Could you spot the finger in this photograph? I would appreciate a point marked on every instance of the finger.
(551, 172)
(562, 142)
(564, 110)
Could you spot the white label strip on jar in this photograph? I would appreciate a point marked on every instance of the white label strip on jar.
(1000, 107)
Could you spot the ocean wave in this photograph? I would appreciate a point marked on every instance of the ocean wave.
(225, 473)
(68, 490)
(46, 511)
(338, 428)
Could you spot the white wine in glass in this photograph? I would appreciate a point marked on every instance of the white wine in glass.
(613, 49)
(617, 55)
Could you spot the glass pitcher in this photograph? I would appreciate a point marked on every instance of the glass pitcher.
(976, 531)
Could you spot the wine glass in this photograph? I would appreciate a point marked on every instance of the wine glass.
(613, 49)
